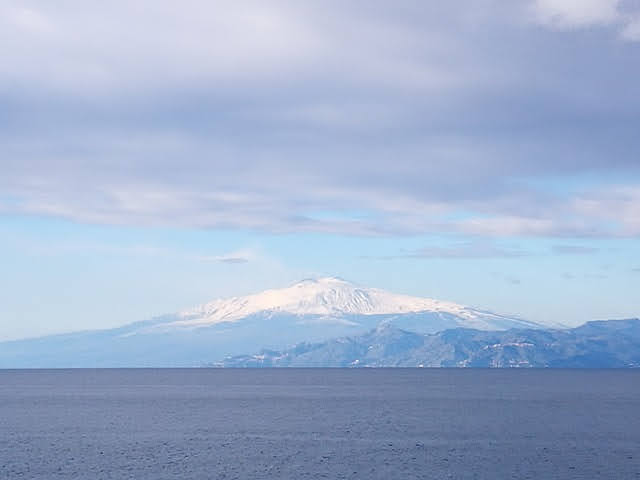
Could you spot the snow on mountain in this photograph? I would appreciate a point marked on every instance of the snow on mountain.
(309, 311)
(334, 298)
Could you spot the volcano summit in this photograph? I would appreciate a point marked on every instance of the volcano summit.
(311, 310)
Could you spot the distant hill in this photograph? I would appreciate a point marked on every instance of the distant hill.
(600, 344)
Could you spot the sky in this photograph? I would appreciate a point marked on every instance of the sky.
(154, 156)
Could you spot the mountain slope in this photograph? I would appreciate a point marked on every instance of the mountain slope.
(308, 311)
(333, 299)
(609, 344)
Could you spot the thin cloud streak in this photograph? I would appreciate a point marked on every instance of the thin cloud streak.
(462, 250)
(573, 250)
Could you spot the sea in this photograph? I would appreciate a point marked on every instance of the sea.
(319, 424)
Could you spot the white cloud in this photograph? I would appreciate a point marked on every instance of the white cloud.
(631, 30)
(27, 19)
(576, 13)
(618, 206)
(125, 48)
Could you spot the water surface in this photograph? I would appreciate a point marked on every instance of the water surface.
(317, 423)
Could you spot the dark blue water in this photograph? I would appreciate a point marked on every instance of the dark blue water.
(297, 424)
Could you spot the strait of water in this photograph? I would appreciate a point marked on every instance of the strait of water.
(319, 423)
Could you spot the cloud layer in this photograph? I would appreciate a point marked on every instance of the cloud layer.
(483, 118)
(574, 14)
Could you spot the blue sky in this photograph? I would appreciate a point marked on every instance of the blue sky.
(155, 156)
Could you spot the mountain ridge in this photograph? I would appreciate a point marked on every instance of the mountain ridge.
(597, 344)
(313, 310)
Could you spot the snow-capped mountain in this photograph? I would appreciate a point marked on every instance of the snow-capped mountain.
(313, 310)
(333, 298)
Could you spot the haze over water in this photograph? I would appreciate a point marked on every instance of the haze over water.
(319, 423)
